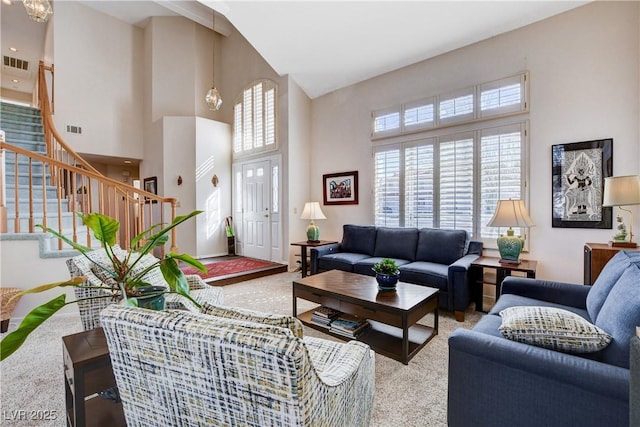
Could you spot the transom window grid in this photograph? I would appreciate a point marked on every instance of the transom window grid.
(490, 100)
(452, 181)
(254, 119)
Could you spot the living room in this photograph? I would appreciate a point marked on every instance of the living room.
(584, 73)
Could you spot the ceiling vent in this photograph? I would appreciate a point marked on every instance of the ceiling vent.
(16, 67)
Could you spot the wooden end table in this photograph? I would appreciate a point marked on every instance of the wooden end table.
(87, 371)
(502, 271)
(393, 316)
(303, 251)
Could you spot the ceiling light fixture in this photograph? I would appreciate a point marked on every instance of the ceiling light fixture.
(13, 49)
(7, 2)
(15, 81)
(213, 98)
(38, 10)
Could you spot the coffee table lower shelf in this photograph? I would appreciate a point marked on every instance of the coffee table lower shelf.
(382, 338)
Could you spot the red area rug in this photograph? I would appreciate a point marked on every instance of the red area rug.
(232, 266)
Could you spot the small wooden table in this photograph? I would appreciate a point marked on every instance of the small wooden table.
(393, 316)
(502, 270)
(87, 371)
(303, 251)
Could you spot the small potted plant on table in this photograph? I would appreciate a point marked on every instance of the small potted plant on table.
(387, 273)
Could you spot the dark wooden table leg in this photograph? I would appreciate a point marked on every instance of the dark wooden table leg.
(303, 256)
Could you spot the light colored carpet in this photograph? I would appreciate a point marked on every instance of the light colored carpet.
(413, 395)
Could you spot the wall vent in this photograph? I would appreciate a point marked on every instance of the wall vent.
(74, 129)
(12, 62)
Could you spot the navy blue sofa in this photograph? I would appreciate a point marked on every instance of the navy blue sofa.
(497, 382)
(430, 257)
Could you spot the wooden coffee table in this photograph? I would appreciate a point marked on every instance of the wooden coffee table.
(393, 316)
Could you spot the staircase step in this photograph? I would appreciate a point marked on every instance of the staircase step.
(23, 179)
(7, 107)
(8, 124)
(23, 191)
(67, 220)
(22, 135)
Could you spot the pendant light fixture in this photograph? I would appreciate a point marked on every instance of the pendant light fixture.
(38, 10)
(213, 98)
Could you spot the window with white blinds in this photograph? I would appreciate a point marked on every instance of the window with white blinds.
(418, 184)
(387, 187)
(452, 181)
(254, 119)
(490, 100)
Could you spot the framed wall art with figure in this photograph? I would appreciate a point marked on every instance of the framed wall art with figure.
(340, 188)
(579, 170)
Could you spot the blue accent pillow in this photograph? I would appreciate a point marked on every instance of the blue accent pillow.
(441, 246)
(359, 239)
(396, 243)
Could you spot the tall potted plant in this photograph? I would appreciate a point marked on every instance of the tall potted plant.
(124, 282)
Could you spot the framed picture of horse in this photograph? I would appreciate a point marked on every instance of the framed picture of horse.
(340, 188)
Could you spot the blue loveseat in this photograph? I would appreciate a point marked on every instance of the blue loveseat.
(496, 382)
(431, 257)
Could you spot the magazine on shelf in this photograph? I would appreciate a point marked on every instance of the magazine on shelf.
(348, 325)
(327, 312)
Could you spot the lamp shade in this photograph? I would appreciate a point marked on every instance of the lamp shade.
(621, 190)
(312, 211)
(511, 213)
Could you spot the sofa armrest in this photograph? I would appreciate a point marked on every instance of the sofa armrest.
(458, 283)
(475, 247)
(494, 381)
(545, 290)
(320, 251)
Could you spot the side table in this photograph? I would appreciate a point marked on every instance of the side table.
(303, 251)
(87, 371)
(502, 270)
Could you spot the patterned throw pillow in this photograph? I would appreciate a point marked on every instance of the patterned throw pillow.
(552, 328)
(280, 320)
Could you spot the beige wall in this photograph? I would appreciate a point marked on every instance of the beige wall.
(98, 81)
(584, 67)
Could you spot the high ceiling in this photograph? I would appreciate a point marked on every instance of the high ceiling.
(323, 45)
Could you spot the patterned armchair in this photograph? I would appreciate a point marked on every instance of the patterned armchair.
(90, 308)
(181, 368)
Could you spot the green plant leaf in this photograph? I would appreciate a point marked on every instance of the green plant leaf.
(104, 228)
(71, 282)
(188, 259)
(35, 318)
(143, 235)
(151, 243)
(174, 276)
(74, 245)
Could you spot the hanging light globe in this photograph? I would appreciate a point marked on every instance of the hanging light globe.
(38, 10)
(213, 99)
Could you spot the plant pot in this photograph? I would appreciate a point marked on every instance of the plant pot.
(151, 297)
(386, 282)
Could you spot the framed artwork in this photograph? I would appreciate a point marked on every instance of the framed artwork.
(579, 170)
(150, 185)
(340, 188)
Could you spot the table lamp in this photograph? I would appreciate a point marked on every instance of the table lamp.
(312, 212)
(622, 191)
(510, 213)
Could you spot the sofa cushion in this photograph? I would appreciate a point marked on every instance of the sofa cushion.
(365, 265)
(512, 300)
(339, 261)
(552, 328)
(607, 279)
(441, 246)
(280, 320)
(396, 243)
(620, 314)
(425, 273)
(359, 239)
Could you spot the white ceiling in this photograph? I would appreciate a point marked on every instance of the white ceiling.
(325, 45)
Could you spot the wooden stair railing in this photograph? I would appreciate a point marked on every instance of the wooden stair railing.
(77, 190)
(77, 185)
